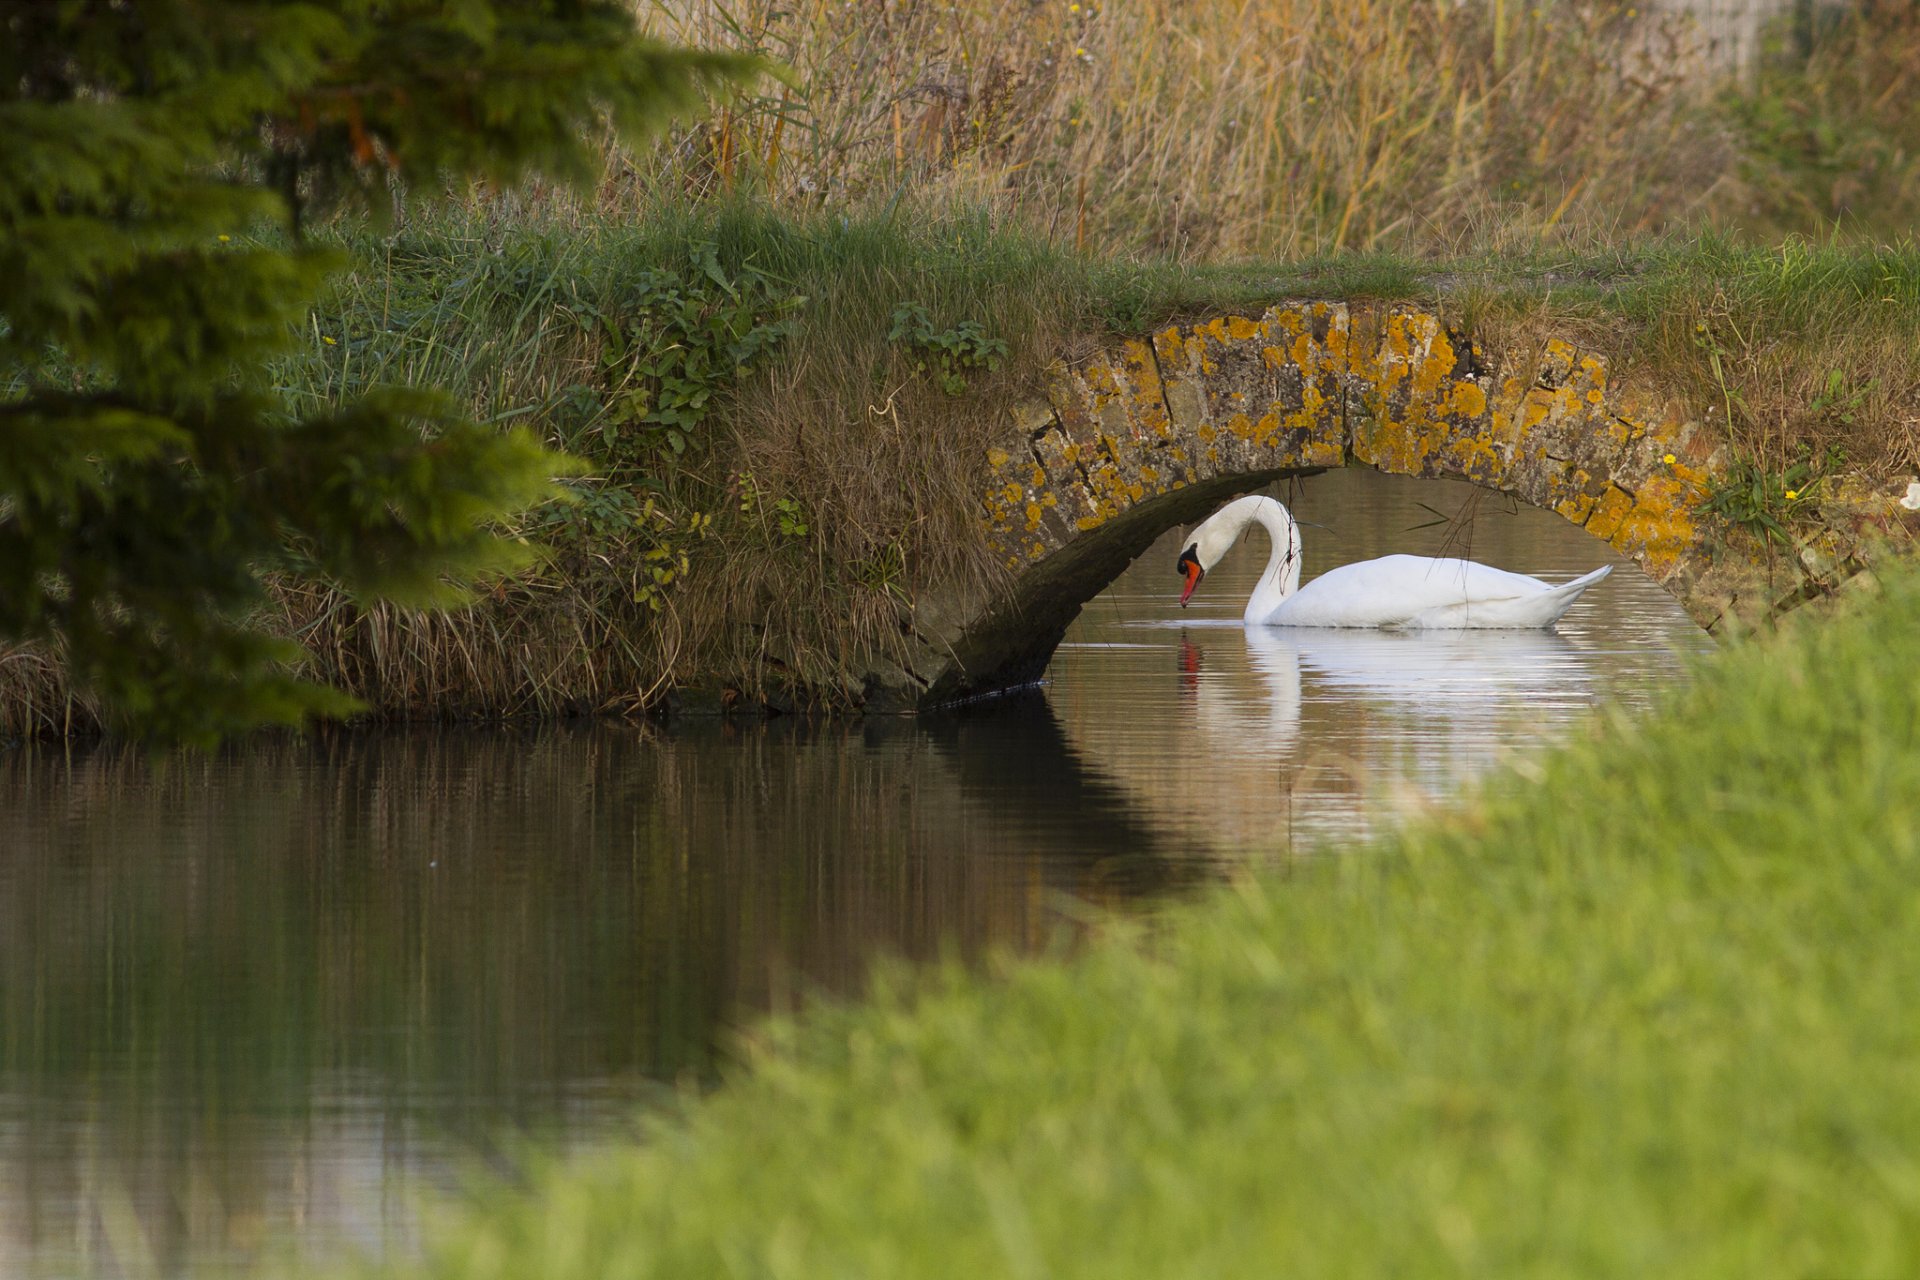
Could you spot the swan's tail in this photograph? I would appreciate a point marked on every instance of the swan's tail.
(1523, 612)
(1561, 598)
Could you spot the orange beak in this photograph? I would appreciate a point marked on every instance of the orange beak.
(1194, 574)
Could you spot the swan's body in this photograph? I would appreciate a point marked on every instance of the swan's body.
(1393, 591)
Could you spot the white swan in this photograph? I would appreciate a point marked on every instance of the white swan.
(1393, 591)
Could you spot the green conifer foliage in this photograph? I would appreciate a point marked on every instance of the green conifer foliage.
(156, 161)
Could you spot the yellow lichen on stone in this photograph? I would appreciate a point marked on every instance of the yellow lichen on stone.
(1557, 359)
(1324, 451)
(1434, 370)
(997, 458)
(1339, 337)
(1469, 400)
(1575, 506)
(1266, 432)
(1659, 529)
(1534, 410)
(1608, 512)
(1694, 479)
(1147, 405)
(1472, 455)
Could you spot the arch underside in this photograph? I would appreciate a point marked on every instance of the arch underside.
(1158, 431)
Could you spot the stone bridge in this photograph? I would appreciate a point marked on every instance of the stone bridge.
(1156, 432)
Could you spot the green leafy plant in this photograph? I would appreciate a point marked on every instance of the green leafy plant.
(788, 516)
(948, 353)
(616, 525)
(1765, 503)
(693, 330)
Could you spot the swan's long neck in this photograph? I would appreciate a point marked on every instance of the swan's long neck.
(1282, 576)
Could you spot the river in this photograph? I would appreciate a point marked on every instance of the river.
(254, 1003)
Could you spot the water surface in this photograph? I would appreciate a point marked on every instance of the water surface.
(256, 1001)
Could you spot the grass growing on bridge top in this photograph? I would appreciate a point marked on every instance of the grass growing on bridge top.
(1642, 1008)
(1791, 351)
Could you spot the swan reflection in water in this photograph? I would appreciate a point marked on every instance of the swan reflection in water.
(1342, 712)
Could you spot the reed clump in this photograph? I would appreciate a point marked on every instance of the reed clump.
(1211, 128)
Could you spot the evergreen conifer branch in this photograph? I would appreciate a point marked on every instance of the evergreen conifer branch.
(159, 160)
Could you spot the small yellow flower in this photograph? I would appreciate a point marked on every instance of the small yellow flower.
(1792, 494)
(329, 341)
(1080, 52)
(1669, 459)
(1073, 8)
(225, 239)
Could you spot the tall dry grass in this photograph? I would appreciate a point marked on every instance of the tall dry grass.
(1211, 128)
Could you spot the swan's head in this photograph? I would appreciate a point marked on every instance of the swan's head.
(1213, 537)
(1211, 540)
(1190, 570)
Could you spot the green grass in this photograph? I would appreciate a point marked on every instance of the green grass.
(1645, 1007)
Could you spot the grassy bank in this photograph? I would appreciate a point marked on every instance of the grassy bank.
(1641, 1008)
(781, 418)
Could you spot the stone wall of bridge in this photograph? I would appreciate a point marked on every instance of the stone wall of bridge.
(1157, 431)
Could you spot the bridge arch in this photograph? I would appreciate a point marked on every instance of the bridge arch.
(1157, 431)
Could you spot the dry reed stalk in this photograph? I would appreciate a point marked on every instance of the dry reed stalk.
(1217, 127)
